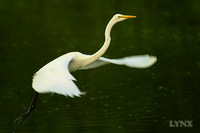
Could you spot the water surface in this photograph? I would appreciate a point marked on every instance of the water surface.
(118, 99)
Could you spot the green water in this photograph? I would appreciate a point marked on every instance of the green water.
(118, 99)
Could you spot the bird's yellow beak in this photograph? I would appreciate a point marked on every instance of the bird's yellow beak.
(127, 16)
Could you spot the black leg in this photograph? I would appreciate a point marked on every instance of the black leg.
(32, 106)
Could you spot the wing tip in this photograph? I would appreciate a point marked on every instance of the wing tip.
(73, 95)
(151, 60)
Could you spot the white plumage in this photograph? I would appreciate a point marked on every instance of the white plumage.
(55, 76)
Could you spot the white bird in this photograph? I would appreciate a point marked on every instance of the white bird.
(55, 76)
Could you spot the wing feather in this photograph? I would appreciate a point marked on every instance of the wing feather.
(139, 61)
(55, 77)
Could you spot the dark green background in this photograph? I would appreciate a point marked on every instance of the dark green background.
(118, 99)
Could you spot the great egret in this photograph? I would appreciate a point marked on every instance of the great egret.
(55, 76)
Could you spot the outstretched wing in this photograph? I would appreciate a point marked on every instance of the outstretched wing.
(55, 77)
(139, 61)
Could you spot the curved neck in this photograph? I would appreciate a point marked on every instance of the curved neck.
(105, 46)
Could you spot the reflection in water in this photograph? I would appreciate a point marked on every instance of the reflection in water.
(118, 99)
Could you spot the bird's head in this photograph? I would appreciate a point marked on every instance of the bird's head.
(120, 17)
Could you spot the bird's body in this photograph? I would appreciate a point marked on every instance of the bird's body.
(55, 76)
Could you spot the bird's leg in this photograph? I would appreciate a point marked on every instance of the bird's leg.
(32, 106)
